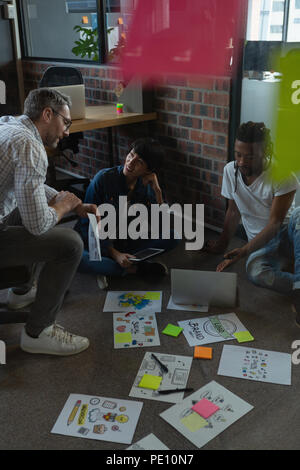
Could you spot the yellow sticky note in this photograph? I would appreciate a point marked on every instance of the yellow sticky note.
(152, 296)
(194, 422)
(243, 336)
(150, 381)
(123, 337)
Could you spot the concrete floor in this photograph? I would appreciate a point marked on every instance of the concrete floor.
(34, 388)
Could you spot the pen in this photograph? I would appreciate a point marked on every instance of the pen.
(164, 368)
(174, 390)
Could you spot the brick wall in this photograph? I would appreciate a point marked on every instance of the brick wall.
(192, 124)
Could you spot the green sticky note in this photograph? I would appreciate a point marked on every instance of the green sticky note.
(194, 422)
(150, 381)
(243, 336)
(152, 296)
(219, 327)
(172, 330)
(123, 337)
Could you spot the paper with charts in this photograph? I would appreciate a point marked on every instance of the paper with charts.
(135, 301)
(256, 364)
(226, 408)
(94, 239)
(150, 442)
(213, 329)
(176, 377)
(135, 330)
(100, 418)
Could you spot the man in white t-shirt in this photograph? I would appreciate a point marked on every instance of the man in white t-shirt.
(265, 209)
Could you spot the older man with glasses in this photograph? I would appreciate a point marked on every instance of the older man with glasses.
(29, 212)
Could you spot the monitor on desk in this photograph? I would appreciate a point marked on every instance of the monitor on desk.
(77, 95)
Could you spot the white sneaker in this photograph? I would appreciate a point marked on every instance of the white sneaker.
(54, 340)
(16, 301)
(102, 282)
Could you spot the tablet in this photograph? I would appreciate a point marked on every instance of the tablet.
(145, 254)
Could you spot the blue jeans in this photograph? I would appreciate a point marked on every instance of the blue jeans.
(265, 267)
(109, 267)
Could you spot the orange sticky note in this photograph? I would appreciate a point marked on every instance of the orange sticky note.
(201, 352)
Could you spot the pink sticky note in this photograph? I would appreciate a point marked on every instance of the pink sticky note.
(205, 408)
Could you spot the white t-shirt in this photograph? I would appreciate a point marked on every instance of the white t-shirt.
(254, 201)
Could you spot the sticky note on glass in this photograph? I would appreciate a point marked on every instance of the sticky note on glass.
(123, 337)
(150, 381)
(243, 336)
(201, 352)
(205, 408)
(172, 330)
(152, 296)
(194, 422)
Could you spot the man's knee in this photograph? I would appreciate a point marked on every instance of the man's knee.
(69, 243)
(295, 217)
(260, 274)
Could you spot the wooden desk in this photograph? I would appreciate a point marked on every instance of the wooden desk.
(105, 116)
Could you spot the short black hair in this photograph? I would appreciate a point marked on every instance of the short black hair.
(151, 151)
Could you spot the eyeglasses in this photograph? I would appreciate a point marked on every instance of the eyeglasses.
(67, 122)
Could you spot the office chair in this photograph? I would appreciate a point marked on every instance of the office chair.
(13, 277)
(62, 76)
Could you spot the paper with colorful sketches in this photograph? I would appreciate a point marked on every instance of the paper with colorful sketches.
(189, 308)
(176, 377)
(197, 429)
(256, 364)
(135, 330)
(150, 442)
(206, 330)
(94, 240)
(100, 418)
(133, 301)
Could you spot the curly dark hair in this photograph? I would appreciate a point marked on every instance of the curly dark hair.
(255, 132)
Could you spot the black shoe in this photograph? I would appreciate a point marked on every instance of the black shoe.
(296, 305)
(155, 270)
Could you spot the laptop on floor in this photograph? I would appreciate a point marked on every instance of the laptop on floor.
(207, 288)
(77, 95)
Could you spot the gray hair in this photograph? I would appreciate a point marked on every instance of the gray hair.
(42, 98)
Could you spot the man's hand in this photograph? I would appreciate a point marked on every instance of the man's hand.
(123, 259)
(64, 202)
(231, 257)
(82, 210)
(152, 179)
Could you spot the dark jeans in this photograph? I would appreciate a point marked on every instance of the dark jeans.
(109, 267)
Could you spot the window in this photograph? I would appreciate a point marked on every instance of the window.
(273, 20)
(80, 30)
(278, 6)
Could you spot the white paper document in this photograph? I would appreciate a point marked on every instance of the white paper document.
(212, 329)
(100, 418)
(176, 377)
(133, 301)
(150, 442)
(256, 364)
(94, 240)
(188, 308)
(197, 429)
(135, 330)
